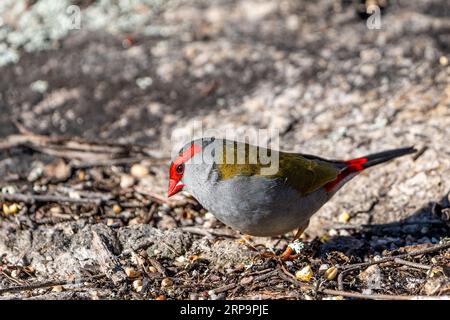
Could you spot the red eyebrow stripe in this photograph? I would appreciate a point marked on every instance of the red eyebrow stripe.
(187, 154)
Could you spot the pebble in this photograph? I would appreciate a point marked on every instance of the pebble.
(139, 171)
(117, 209)
(166, 282)
(57, 289)
(126, 181)
(137, 285)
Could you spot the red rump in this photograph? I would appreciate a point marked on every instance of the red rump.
(354, 165)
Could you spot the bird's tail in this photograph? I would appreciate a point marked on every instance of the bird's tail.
(359, 164)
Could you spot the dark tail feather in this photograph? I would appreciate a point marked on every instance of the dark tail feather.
(377, 158)
(359, 164)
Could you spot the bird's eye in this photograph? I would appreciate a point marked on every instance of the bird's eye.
(180, 168)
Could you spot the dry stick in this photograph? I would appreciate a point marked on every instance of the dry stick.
(412, 264)
(31, 198)
(118, 161)
(389, 259)
(235, 285)
(378, 296)
(287, 276)
(47, 284)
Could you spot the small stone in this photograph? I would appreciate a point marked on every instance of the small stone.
(57, 289)
(180, 259)
(56, 210)
(126, 181)
(139, 171)
(144, 82)
(166, 282)
(324, 267)
(117, 209)
(344, 217)
(331, 273)
(15, 273)
(40, 86)
(109, 222)
(443, 60)
(333, 232)
(304, 274)
(137, 285)
(161, 297)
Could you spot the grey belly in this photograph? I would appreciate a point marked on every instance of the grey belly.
(260, 207)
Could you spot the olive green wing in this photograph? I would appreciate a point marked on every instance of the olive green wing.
(306, 174)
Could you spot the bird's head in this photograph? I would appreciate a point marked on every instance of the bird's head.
(178, 167)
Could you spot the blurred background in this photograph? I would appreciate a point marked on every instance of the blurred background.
(337, 79)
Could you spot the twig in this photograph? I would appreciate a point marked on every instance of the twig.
(346, 269)
(223, 288)
(378, 296)
(32, 198)
(412, 264)
(154, 197)
(113, 162)
(47, 284)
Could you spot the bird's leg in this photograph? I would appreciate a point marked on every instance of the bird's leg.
(288, 252)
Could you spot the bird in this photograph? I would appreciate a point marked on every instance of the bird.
(230, 179)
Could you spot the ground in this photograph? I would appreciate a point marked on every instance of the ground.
(89, 117)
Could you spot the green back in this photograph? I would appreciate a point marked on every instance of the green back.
(303, 174)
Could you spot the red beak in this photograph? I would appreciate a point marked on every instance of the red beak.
(174, 187)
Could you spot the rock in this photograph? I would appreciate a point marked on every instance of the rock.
(164, 244)
(139, 171)
(222, 254)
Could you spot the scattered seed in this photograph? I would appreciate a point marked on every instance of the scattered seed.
(161, 297)
(57, 289)
(131, 272)
(117, 209)
(344, 217)
(5, 208)
(152, 269)
(331, 273)
(443, 60)
(193, 258)
(304, 274)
